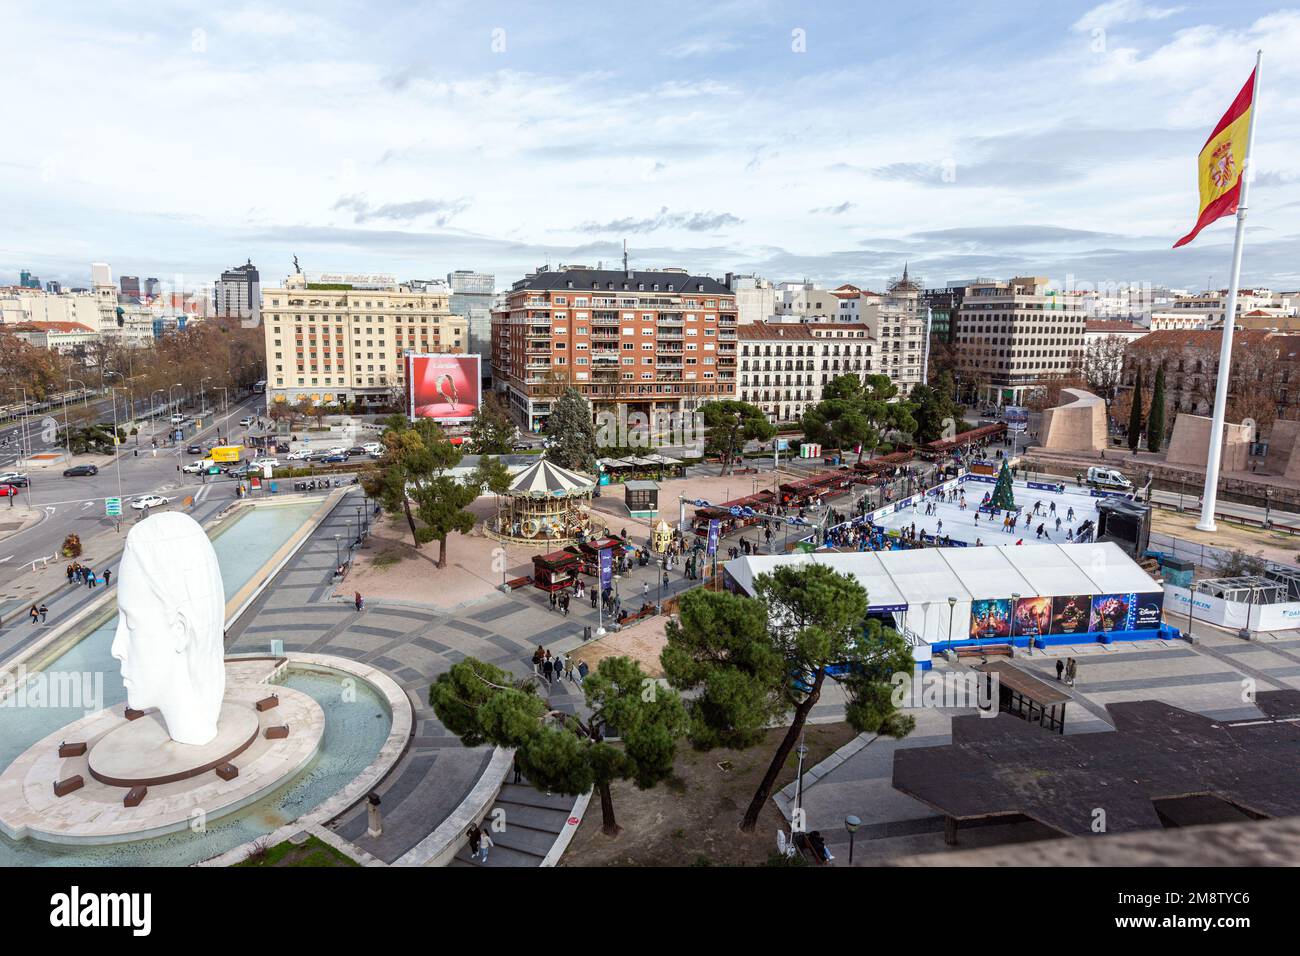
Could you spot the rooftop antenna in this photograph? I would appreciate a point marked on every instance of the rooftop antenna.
(296, 269)
(625, 272)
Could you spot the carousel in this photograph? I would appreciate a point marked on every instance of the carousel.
(547, 505)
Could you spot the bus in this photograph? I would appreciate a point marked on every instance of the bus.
(259, 387)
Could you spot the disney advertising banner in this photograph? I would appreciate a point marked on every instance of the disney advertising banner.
(1033, 617)
(1070, 613)
(990, 618)
(1111, 612)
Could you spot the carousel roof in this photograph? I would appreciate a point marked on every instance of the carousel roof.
(548, 480)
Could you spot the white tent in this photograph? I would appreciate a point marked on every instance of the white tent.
(925, 578)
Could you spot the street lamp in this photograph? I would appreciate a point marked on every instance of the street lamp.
(225, 410)
(952, 607)
(337, 562)
(22, 443)
(851, 823)
(802, 751)
(67, 431)
(1029, 644)
(117, 454)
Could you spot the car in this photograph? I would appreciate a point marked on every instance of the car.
(337, 450)
(374, 447)
(145, 502)
(358, 450)
(334, 459)
(300, 455)
(14, 478)
(245, 421)
(203, 466)
(239, 471)
(263, 462)
(194, 450)
(80, 471)
(178, 419)
(8, 491)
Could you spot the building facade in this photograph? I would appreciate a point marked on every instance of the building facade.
(237, 294)
(655, 342)
(472, 297)
(784, 365)
(1012, 337)
(344, 338)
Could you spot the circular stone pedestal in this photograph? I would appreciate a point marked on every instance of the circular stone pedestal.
(141, 753)
(183, 789)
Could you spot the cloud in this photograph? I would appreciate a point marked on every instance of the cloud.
(1013, 235)
(442, 210)
(701, 46)
(834, 210)
(690, 221)
(1121, 11)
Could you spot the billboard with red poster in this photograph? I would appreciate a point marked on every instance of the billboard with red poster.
(444, 387)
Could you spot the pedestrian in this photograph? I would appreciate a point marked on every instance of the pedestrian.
(645, 588)
(582, 672)
(486, 844)
(548, 667)
(356, 600)
(551, 596)
(518, 773)
(71, 572)
(90, 578)
(44, 611)
(475, 839)
(34, 614)
(1060, 668)
(565, 606)
(1072, 670)
(595, 597)
(568, 668)
(108, 574)
(538, 656)
(558, 666)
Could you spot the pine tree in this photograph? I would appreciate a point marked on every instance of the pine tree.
(1156, 421)
(573, 432)
(1135, 414)
(1002, 493)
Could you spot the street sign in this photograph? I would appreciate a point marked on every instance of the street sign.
(113, 507)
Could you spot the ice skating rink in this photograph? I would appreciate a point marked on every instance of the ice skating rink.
(961, 525)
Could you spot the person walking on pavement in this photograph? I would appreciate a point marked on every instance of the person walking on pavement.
(548, 667)
(595, 597)
(108, 574)
(538, 656)
(1060, 667)
(356, 600)
(582, 672)
(34, 614)
(44, 611)
(90, 578)
(485, 843)
(518, 773)
(475, 839)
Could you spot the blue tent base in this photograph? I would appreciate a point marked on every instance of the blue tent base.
(1163, 632)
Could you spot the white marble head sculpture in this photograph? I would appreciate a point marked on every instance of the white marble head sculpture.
(171, 615)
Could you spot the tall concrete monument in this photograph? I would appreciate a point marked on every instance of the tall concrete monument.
(171, 615)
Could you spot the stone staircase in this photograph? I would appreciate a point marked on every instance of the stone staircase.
(533, 821)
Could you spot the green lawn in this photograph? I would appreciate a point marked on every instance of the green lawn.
(314, 852)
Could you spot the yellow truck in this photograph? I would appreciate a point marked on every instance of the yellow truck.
(226, 454)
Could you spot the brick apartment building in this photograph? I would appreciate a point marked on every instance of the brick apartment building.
(655, 342)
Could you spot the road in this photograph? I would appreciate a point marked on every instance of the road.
(77, 504)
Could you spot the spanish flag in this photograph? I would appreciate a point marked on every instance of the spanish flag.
(1222, 160)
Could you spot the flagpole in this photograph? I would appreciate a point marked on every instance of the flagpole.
(1206, 522)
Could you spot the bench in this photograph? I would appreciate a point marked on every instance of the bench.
(991, 650)
(64, 787)
(515, 583)
(643, 613)
(745, 471)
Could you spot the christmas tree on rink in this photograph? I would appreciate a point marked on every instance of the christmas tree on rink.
(1002, 496)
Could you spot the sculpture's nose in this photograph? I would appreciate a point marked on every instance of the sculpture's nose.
(118, 648)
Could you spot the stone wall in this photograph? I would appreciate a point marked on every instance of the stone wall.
(1191, 442)
(1078, 425)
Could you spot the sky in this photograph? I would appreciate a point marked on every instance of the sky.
(825, 141)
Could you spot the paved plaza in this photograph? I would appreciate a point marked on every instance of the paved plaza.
(1216, 676)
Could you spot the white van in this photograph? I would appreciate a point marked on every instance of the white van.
(1108, 478)
(178, 419)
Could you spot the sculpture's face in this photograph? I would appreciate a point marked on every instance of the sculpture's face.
(171, 613)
